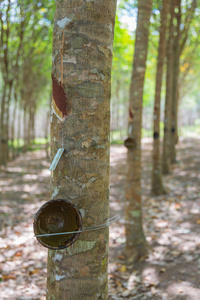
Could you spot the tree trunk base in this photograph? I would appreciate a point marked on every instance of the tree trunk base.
(137, 252)
(157, 185)
(157, 191)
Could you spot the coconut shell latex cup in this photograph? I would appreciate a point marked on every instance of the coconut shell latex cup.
(57, 216)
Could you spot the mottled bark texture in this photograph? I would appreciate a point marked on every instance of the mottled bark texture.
(180, 39)
(135, 239)
(4, 123)
(82, 56)
(157, 185)
(168, 99)
(2, 127)
(9, 73)
(174, 108)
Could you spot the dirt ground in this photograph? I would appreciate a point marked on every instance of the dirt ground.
(171, 223)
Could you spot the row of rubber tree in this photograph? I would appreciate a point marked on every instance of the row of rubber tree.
(25, 65)
(172, 39)
(82, 54)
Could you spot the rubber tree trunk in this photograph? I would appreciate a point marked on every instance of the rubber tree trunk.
(24, 149)
(174, 108)
(117, 101)
(2, 125)
(18, 128)
(135, 239)
(157, 185)
(5, 133)
(47, 127)
(166, 163)
(82, 57)
(29, 126)
(13, 124)
(33, 125)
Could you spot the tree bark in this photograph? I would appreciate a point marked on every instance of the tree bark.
(24, 149)
(4, 64)
(29, 126)
(5, 145)
(82, 56)
(47, 132)
(174, 108)
(18, 129)
(10, 72)
(166, 163)
(13, 124)
(179, 44)
(2, 125)
(135, 239)
(33, 113)
(157, 185)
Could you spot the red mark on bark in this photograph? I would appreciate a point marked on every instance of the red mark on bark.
(130, 113)
(60, 104)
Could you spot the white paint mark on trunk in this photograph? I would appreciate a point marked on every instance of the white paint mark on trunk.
(69, 59)
(59, 277)
(103, 278)
(110, 47)
(97, 138)
(82, 211)
(101, 147)
(63, 22)
(55, 192)
(110, 27)
(57, 257)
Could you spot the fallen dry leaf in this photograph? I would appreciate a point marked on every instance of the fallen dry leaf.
(7, 277)
(163, 270)
(122, 269)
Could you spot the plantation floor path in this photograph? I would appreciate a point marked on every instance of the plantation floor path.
(171, 223)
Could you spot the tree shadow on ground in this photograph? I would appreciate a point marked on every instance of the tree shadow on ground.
(171, 224)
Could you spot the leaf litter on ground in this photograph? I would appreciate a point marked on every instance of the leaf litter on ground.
(171, 224)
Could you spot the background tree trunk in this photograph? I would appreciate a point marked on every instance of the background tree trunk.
(25, 127)
(5, 133)
(135, 239)
(18, 129)
(82, 56)
(2, 125)
(157, 186)
(13, 124)
(168, 100)
(174, 108)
